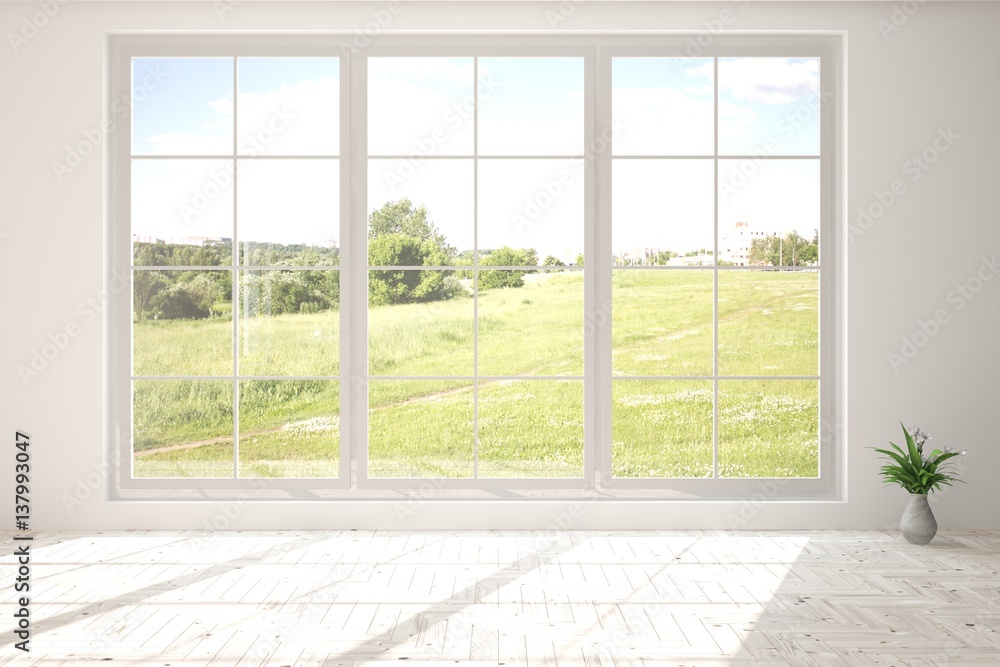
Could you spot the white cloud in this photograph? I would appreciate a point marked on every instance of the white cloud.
(223, 105)
(735, 122)
(301, 119)
(769, 80)
(662, 121)
(405, 116)
(173, 143)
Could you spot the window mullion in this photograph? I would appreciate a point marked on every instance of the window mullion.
(236, 292)
(715, 274)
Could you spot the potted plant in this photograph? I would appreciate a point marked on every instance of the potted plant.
(919, 474)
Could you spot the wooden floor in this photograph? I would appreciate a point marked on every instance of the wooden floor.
(574, 599)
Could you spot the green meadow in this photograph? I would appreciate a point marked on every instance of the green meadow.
(529, 399)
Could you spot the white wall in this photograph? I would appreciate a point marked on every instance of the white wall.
(938, 71)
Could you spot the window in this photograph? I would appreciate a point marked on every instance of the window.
(715, 191)
(552, 266)
(475, 372)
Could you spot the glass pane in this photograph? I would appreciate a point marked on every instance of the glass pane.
(420, 323)
(288, 106)
(768, 322)
(531, 205)
(290, 323)
(663, 212)
(661, 429)
(769, 212)
(186, 203)
(289, 212)
(289, 428)
(530, 323)
(182, 323)
(420, 429)
(769, 428)
(182, 106)
(182, 428)
(661, 322)
(420, 106)
(665, 106)
(431, 205)
(531, 428)
(530, 106)
(769, 106)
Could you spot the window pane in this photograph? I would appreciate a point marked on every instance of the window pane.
(429, 203)
(768, 323)
(661, 429)
(288, 106)
(289, 428)
(420, 106)
(420, 429)
(530, 323)
(661, 322)
(182, 323)
(663, 212)
(182, 428)
(530, 205)
(664, 106)
(769, 428)
(289, 212)
(769, 212)
(420, 323)
(530, 106)
(290, 323)
(182, 203)
(531, 428)
(769, 106)
(182, 106)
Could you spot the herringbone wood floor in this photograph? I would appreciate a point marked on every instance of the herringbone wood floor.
(578, 599)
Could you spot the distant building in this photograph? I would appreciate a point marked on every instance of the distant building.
(735, 246)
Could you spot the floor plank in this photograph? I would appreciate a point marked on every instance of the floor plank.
(511, 598)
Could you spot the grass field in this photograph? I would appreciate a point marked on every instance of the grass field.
(662, 326)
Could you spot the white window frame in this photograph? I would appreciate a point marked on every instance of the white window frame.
(597, 482)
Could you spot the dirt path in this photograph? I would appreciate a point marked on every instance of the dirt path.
(211, 441)
(228, 439)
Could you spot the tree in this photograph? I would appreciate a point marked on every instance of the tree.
(553, 261)
(190, 297)
(505, 256)
(663, 256)
(400, 217)
(579, 260)
(391, 286)
(789, 250)
(280, 292)
(145, 286)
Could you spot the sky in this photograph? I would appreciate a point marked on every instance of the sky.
(423, 141)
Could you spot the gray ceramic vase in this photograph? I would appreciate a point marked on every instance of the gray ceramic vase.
(918, 524)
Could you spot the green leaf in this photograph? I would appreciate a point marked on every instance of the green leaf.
(947, 455)
(912, 447)
(898, 458)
